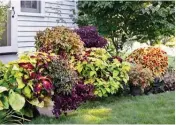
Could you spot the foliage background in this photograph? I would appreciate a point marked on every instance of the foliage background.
(122, 21)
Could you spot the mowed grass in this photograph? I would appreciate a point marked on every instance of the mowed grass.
(171, 61)
(151, 109)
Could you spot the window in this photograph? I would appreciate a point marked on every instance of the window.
(32, 6)
(5, 23)
(8, 27)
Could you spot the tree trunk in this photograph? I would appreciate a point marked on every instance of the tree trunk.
(115, 44)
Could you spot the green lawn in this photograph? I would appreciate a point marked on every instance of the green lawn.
(152, 109)
(171, 60)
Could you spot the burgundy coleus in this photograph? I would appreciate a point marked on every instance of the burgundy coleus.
(39, 64)
(27, 66)
(87, 53)
(118, 58)
(46, 82)
(33, 75)
(38, 87)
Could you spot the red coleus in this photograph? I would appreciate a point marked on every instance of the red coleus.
(38, 87)
(27, 65)
(33, 75)
(46, 82)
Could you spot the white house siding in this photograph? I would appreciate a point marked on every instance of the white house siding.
(29, 24)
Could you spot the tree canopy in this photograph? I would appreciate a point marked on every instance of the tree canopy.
(124, 21)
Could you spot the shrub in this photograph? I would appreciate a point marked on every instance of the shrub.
(37, 78)
(59, 40)
(139, 76)
(163, 83)
(79, 94)
(26, 84)
(90, 37)
(156, 87)
(98, 68)
(62, 75)
(69, 92)
(153, 58)
(169, 80)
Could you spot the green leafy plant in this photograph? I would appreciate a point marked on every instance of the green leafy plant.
(97, 67)
(26, 82)
(36, 79)
(11, 117)
(139, 76)
(2, 69)
(59, 40)
(123, 21)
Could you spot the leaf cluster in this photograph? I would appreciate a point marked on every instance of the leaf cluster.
(62, 75)
(124, 21)
(106, 74)
(89, 35)
(25, 84)
(139, 76)
(59, 40)
(152, 58)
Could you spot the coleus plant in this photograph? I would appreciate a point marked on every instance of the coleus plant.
(163, 83)
(139, 76)
(25, 82)
(169, 80)
(152, 58)
(97, 67)
(59, 40)
(37, 78)
(62, 75)
(89, 35)
(79, 94)
(69, 90)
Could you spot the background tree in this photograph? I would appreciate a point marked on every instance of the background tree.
(122, 21)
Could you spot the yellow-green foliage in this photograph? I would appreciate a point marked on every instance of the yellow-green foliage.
(25, 81)
(97, 67)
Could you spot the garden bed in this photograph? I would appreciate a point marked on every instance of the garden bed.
(70, 74)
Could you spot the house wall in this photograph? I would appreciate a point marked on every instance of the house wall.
(8, 57)
(29, 24)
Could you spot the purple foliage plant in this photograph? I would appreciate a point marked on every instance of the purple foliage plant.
(89, 35)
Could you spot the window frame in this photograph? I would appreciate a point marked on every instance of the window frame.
(40, 14)
(32, 10)
(11, 32)
(13, 48)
